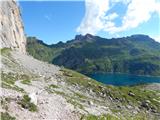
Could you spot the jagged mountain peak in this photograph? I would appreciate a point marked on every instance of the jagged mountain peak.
(84, 37)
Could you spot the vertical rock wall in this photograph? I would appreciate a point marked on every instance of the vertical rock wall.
(11, 26)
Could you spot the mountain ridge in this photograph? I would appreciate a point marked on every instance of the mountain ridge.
(83, 37)
(90, 53)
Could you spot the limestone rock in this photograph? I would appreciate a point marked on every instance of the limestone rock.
(33, 97)
(11, 27)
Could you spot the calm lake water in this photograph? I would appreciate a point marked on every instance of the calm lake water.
(124, 79)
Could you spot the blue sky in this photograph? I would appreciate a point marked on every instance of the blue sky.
(52, 21)
(55, 21)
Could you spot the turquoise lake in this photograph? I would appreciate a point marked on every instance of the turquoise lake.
(124, 79)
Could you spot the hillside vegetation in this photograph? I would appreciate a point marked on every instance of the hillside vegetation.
(65, 94)
(137, 54)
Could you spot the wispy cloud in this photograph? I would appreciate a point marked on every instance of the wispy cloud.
(95, 19)
(48, 17)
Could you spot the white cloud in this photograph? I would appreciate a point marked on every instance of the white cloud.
(156, 38)
(139, 11)
(95, 20)
(111, 16)
(123, 1)
(94, 16)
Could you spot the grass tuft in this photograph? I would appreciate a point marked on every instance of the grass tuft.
(6, 116)
(28, 82)
(25, 103)
(101, 117)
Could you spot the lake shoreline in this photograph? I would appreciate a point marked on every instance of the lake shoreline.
(121, 74)
(120, 79)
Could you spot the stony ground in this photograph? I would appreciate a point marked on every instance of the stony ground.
(60, 98)
(51, 106)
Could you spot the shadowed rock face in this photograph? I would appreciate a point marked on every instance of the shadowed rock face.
(11, 27)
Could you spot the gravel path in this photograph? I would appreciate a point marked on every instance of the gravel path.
(36, 66)
(50, 106)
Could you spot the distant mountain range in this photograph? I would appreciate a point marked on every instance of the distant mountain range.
(136, 54)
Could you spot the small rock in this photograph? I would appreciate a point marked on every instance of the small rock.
(117, 99)
(110, 98)
(131, 94)
(90, 91)
(153, 110)
(33, 97)
(104, 95)
(100, 87)
(145, 104)
(118, 106)
(90, 102)
(46, 102)
(18, 97)
(135, 112)
(129, 106)
(147, 101)
(42, 102)
(101, 94)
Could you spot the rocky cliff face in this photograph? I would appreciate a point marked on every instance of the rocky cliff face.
(11, 27)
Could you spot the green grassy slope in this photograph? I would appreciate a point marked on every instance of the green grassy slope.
(136, 96)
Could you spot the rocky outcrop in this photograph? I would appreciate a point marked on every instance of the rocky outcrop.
(11, 27)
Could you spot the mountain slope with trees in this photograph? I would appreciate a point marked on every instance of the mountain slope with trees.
(136, 54)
